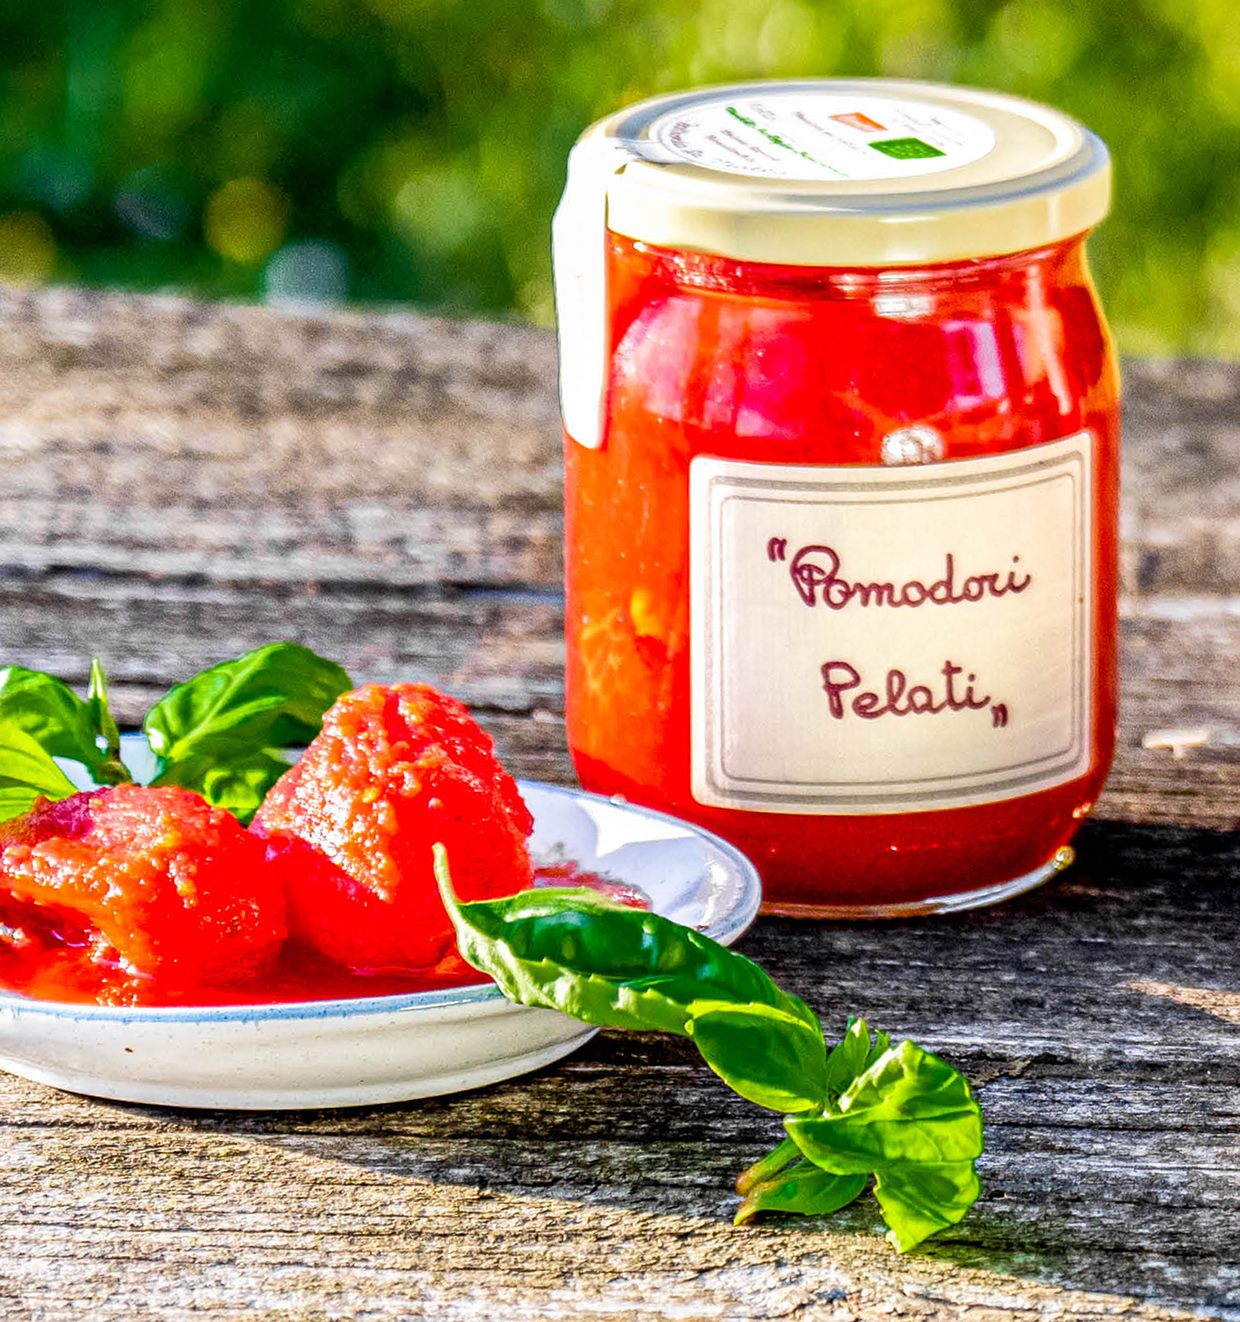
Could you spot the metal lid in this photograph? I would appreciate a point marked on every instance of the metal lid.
(847, 172)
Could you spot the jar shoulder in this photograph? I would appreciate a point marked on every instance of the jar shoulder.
(989, 365)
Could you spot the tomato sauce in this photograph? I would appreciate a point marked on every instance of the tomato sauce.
(52, 955)
(68, 973)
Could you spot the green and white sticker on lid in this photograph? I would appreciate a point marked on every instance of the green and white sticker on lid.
(823, 135)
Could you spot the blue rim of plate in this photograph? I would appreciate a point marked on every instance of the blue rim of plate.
(740, 916)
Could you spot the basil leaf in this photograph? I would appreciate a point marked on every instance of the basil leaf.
(765, 1054)
(27, 772)
(617, 967)
(267, 699)
(802, 1188)
(240, 787)
(50, 712)
(911, 1119)
(849, 1058)
(108, 769)
(920, 1200)
(882, 1045)
(15, 800)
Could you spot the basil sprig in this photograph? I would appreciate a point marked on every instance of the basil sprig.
(219, 734)
(907, 1118)
(864, 1109)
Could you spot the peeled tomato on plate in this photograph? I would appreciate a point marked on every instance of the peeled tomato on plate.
(395, 769)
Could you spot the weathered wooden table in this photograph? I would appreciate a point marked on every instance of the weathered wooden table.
(179, 483)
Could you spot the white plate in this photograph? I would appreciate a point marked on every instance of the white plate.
(380, 1048)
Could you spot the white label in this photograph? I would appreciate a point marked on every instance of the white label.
(823, 135)
(872, 640)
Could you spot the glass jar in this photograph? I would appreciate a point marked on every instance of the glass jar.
(841, 482)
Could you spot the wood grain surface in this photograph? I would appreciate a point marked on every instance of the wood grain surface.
(180, 482)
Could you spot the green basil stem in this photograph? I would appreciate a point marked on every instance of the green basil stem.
(768, 1167)
(865, 1109)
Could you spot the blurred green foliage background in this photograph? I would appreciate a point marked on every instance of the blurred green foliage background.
(414, 150)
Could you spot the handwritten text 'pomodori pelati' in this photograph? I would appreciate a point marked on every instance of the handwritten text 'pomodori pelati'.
(818, 575)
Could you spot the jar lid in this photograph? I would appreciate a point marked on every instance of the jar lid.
(848, 172)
